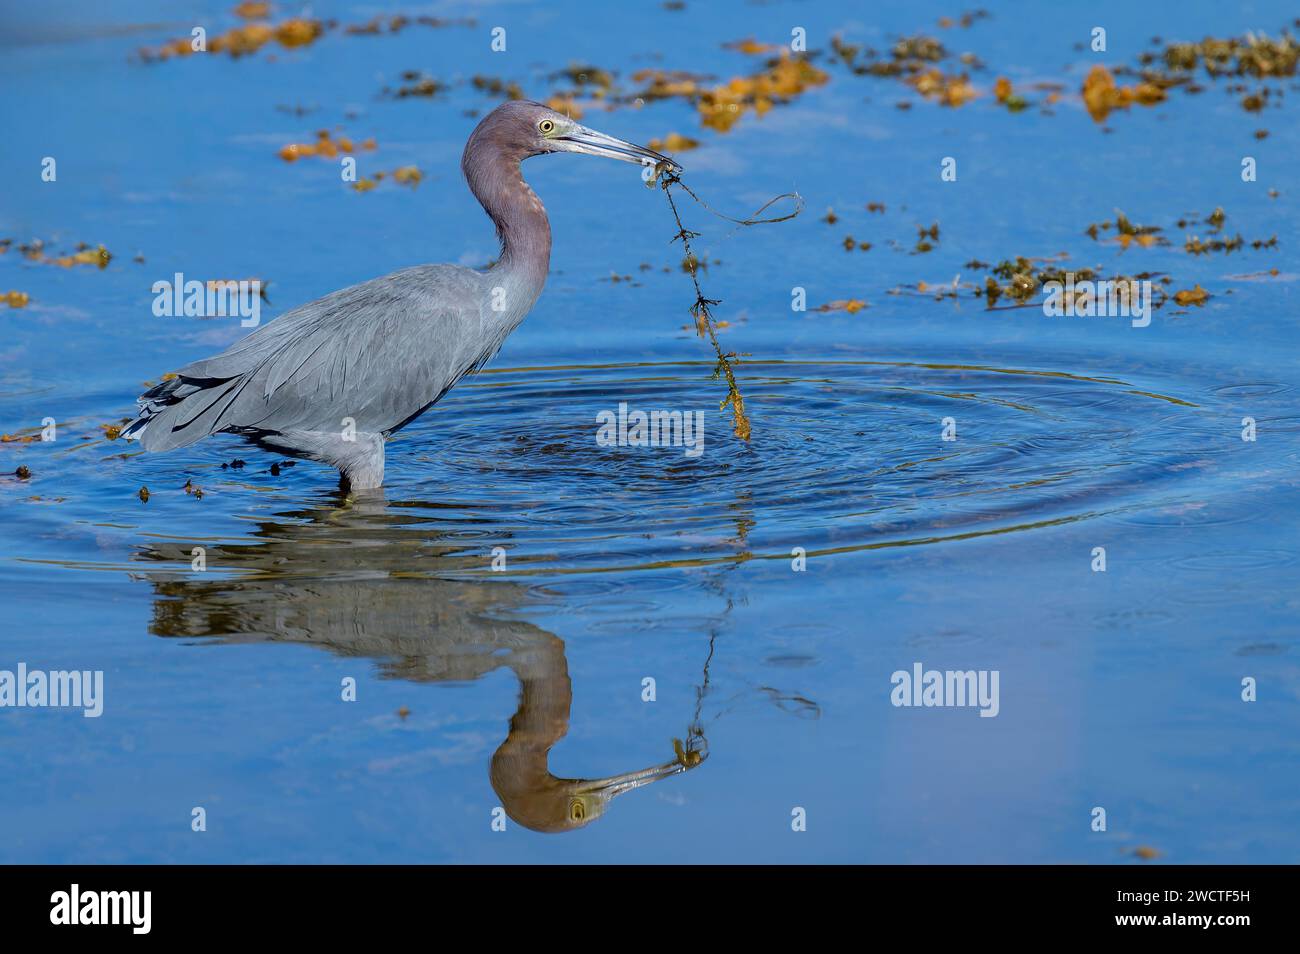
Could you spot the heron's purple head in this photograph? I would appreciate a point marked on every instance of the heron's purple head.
(519, 129)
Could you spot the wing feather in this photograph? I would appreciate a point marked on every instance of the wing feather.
(379, 353)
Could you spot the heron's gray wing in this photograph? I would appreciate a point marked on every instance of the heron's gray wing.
(377, 353)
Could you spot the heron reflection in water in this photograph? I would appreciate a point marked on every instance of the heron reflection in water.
(334, 578)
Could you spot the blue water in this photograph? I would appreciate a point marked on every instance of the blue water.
(1119, 689)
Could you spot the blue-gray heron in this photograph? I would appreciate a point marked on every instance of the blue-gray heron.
(331, 380)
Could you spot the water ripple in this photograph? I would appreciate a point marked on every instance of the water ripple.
(846, 456)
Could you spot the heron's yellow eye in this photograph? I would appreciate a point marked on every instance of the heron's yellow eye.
(577, 810)
(547, 126)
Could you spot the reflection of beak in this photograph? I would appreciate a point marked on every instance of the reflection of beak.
(618, 784)
(592, 143)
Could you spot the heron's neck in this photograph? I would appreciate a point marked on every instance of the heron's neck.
(521, 223)
(519, 766)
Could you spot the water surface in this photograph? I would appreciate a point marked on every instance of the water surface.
(1119, 689)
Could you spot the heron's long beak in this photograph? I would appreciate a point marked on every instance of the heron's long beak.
(618, 784)
(592, 143)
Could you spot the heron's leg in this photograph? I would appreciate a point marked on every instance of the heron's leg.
(359, 457)
(362, 466)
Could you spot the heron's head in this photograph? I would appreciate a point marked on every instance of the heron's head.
(544, 803)
(522, 129)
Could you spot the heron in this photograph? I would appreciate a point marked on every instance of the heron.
(332, 380)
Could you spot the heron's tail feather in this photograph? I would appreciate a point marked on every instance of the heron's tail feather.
(180, 411)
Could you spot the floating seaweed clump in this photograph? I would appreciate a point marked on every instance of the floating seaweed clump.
(1126, 233)
(249, 37)
(1192, 296)
(415, 83)
(565, 103)
(1218, 241)
(82, 254)
(1195, 245)
(1146, 236)
(379, 24)
(327, 146)
(721, 106)
(851, 305)
(1007, 96)
(944, 88)
(1018, 280)
(404, 175)
(937, 74)
(495, 86)
(243, 40)
(233, 285)
(588, 84)
(656, 84)
(1101, 94)
(783, 79)
(968, 19)
(751, 46)
(926, 239)
(1255, 57)
(908, 56)
(587, 80)
(673, 142)
(915, 60)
